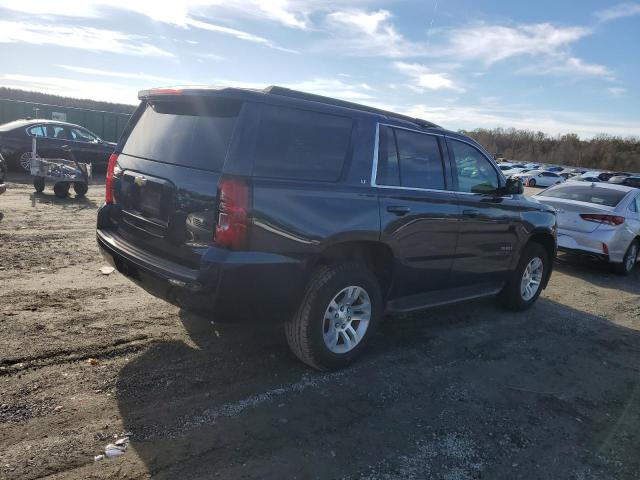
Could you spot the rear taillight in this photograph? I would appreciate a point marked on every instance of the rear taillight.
(108, 194)
(601, 218)
(233, 213)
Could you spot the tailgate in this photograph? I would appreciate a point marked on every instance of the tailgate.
(166, 183)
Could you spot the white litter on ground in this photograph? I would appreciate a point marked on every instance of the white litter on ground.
(106, 270)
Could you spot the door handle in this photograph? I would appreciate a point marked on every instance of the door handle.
(471, 213)
(398, 210)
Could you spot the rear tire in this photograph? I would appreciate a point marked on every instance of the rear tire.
(80, 188)
(514, 295)
(630, 259)
(38, 184)
(61, 189)
(310, 330)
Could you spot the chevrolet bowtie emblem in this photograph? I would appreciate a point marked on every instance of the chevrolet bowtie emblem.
(140, 181)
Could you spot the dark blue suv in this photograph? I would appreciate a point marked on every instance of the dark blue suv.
(243, 202)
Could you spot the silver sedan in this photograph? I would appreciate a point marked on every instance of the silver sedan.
(599, 220)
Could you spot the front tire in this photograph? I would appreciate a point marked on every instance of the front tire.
(629, 261)
(38, 184)
(61, 189)
(525, 285)
(532, 183)
(80, 188)
(337, 316)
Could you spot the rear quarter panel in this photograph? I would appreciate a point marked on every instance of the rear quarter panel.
(302, 218)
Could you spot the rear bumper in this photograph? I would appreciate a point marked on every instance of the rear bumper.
(227, 282)
(3, 188)
(591, 244)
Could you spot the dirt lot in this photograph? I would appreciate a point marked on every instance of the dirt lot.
(461, 392)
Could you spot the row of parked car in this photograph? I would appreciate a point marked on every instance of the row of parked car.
(535, 174)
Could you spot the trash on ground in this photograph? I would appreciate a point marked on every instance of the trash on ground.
(116, 449)
(92, 361)
(106, 270)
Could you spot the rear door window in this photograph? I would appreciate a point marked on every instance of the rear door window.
(409, 159)
(188, 131)
(56, 131)
(81, 135)
(301, 144)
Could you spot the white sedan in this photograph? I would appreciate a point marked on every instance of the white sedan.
(539, 178)
(598, 220)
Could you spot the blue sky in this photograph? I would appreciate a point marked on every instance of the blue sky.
(547, 65)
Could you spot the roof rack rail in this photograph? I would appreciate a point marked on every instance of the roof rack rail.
(312, 97)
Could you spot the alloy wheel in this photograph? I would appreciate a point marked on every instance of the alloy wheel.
(346, 319)
(25, 161)
(632, 257)
(531, 279)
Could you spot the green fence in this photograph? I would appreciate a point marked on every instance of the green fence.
(107, 125)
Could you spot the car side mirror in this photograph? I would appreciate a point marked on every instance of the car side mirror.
(514, 186)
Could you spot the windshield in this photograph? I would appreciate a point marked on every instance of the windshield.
(581, 193)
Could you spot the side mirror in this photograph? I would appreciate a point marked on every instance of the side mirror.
(514, 186)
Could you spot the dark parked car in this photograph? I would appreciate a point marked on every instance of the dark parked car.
(629, 181)
(3, 174)
(16, 138)
(327, 212)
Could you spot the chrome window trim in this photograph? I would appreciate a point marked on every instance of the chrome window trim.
(374, 171)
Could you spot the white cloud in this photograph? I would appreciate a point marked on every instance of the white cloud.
(96, 90)
(235, 33)
(281, 11)
(364, 33)
(617, 91)
(355, 92)
(585, 124)
(424, 79)
(123, 75)
(571, 66)
(84, 38)
(493, 43)
(183, 13)
(621, 10)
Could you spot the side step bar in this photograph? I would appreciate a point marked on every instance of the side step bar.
(442, 297)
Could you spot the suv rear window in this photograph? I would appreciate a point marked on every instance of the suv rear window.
(301, 144)
(588, 194)
(189, 131)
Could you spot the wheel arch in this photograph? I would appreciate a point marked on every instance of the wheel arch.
(376, 255)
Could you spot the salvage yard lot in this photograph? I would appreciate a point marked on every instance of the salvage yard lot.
(467, 391)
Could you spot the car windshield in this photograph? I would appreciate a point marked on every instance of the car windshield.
(589, 194)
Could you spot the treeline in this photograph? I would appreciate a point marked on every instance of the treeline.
(605, 152)
(37, 97)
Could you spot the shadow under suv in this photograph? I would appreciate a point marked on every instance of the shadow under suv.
(331, 213)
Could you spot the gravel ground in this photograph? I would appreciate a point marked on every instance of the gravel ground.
(461, 392)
